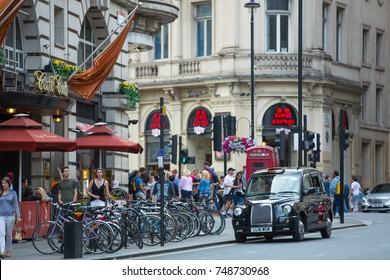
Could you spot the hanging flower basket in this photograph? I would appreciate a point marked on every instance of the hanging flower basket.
(62, 69)
(132, 94)
(236, 144)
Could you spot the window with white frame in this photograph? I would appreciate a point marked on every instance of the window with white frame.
(86, 44)
(161, 43)
(277, 24)
(203, 29)
(365, 44)
(339, 33)
(59, 26)
(13, 47)
(325, 27)
(378, 53)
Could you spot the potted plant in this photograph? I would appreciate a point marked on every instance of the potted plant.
(61, 68)
(132, 93)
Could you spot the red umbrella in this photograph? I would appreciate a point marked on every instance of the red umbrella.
(23, 134)
(101, 137)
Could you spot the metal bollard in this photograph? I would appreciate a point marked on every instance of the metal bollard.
(73, 246)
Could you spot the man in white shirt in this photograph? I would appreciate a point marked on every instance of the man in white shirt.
(227, 186)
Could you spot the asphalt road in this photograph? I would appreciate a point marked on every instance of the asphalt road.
(357, 243)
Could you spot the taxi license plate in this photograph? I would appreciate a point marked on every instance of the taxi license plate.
(377, 205)
(261, 229)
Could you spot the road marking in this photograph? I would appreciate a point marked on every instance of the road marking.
(183, 251)
(320, 255)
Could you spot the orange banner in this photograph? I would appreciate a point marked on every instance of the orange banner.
(86, 84)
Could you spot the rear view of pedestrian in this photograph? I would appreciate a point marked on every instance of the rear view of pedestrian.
(354, 193)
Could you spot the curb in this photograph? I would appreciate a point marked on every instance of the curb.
(198, 246)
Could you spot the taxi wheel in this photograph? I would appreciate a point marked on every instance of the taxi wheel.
(240, 238)
(327, 232)
(299, 232)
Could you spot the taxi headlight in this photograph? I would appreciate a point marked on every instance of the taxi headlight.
(286, 208)
(237, 211)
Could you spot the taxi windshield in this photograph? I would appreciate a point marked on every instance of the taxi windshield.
(273, 184)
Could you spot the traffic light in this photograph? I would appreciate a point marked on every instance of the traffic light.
(317, 142)
(281, 139)
(314, 156)
(190, 160)
(346, 135)
(309, 140)
(174, 148)
(230, 125)
(183, 155)
(217, 133)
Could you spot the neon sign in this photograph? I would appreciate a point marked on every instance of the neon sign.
(155, 122)
(200, 118)
(283, 117)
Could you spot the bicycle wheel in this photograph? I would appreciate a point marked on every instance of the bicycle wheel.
(182, 227)
(196, 224)
(170, 227)
(97, 237)
(150, 229)
(206, 222)
(118, 238)
(219, 222)
(135, 235)
(48, 238)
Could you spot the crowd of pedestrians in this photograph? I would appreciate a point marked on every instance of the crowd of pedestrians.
(351, 195)
(221, 193)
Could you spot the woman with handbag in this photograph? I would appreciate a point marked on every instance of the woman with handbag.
(238, 192)
(8, 209)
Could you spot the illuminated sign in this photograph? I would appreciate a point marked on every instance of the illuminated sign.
(155, 121)
(283, 116)
(199, 120)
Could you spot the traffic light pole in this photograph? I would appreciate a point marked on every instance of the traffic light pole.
(304, 140)
(224, 121)
(341, 147)
(161, 169)
(180, 145)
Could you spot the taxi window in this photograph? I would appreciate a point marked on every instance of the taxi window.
(307, 182)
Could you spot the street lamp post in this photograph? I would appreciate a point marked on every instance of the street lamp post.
(252, 6)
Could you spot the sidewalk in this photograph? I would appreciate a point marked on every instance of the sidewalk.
(26, 251)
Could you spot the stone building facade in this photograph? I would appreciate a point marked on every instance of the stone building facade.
(201, 63)
(70, 31)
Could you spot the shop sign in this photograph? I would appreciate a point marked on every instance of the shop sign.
(200, 120)
(52, 85)
(283, 116)
(154, 124)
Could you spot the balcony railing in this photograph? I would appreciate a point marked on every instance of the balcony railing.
(281, 62)
(189, 67)
(146, 71)
(264, 63)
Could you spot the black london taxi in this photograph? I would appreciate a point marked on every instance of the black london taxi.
(283, 201)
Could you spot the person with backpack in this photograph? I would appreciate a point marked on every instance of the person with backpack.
(137, 186)
(334, 190)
